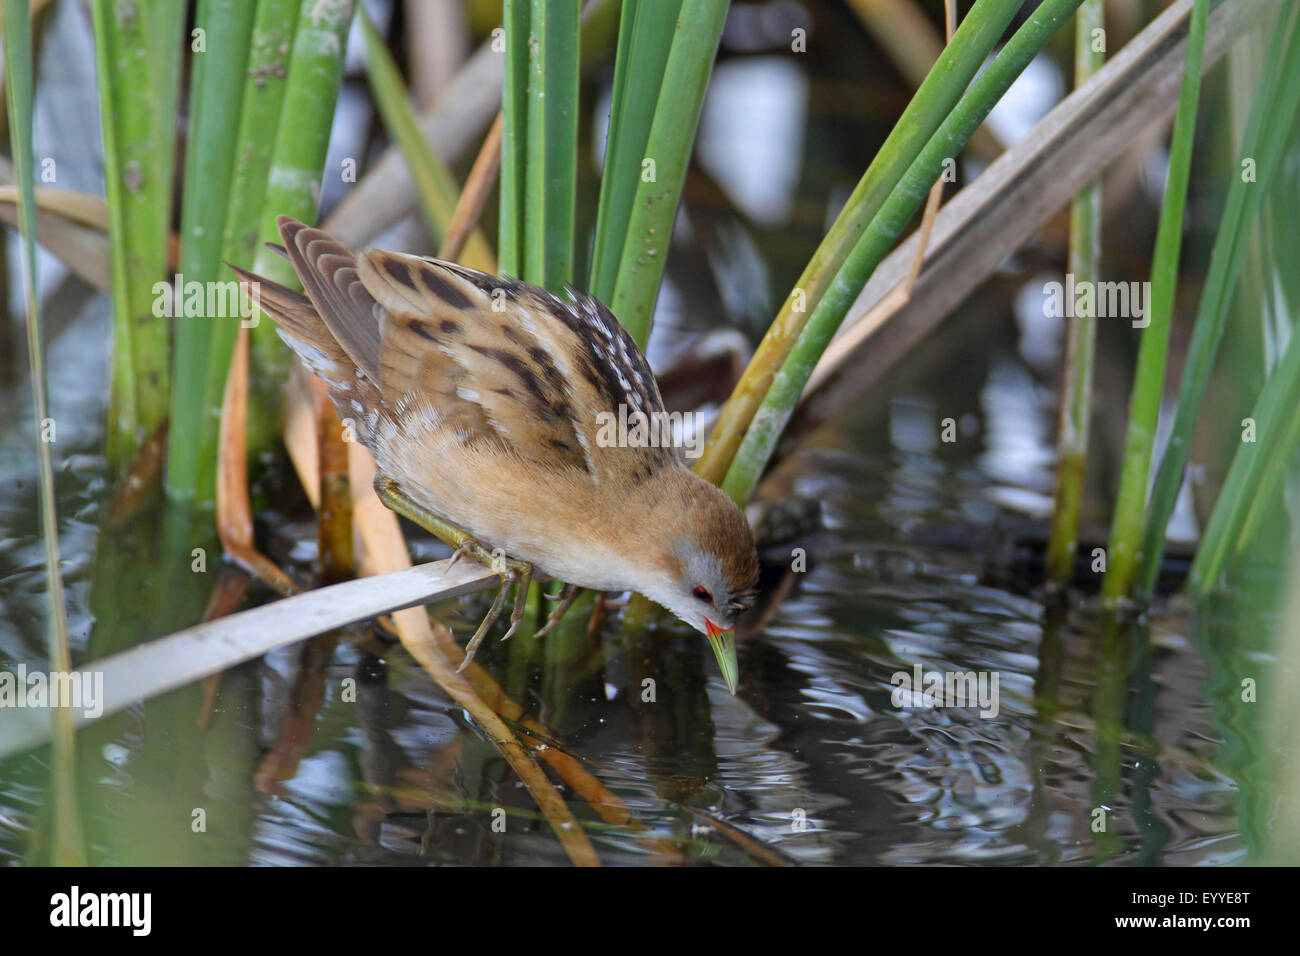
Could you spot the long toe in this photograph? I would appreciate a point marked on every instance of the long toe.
(493, 613)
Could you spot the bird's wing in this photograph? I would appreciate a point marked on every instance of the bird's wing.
(487, 357)
(335, 334)
(481, 359)
(329, 276)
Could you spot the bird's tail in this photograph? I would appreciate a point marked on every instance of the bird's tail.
(301, 327)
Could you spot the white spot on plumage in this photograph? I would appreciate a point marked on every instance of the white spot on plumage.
(586, 449)
(313, 357)
(425, 418)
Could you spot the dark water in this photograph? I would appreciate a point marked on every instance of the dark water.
(911, 547)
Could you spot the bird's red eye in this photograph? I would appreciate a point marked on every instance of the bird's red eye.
(703, 594)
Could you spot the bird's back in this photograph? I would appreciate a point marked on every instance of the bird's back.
(434, 360)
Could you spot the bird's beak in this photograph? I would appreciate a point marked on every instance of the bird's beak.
(724, 648)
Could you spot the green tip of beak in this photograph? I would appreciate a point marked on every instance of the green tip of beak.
(724, 649)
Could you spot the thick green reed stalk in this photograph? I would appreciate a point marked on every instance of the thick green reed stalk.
(1144, 407)
(138, 54)
(885, 229)
(1076, 397)
(220, 59)
(1263, 145)
(975, 38)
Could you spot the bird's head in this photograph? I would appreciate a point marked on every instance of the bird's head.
(707, 571)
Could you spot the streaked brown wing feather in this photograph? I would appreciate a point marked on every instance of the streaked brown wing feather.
(609, 360)
(329, 276)
(607, 371)
(308, 335)
(294, 313)
(482, 368)
(564, 361)
(584, 328)
(478, 357)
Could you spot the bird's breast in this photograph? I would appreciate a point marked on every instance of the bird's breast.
(560, 520)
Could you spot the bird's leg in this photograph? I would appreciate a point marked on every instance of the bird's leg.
(525, 579)
(395, 499)
(493, 613)
(509, 570)
(566, 597)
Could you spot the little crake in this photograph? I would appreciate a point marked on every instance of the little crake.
(479, 397)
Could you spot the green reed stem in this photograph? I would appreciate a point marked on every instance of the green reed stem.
(971, 44)
(67, 842)
(434, 182)
(217, 79)
(645, 35)
(875, 243)
(551, 151)
(1076, 397)
(294, 181)
(667, 154)
(263, 96)
(138, 51)
(259, 112)
(1255, 475)
(1263, 142)
(1144, 407)
(516, 17)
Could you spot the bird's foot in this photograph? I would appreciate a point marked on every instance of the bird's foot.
(519, 573)
(508, 569)
(568, 594)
